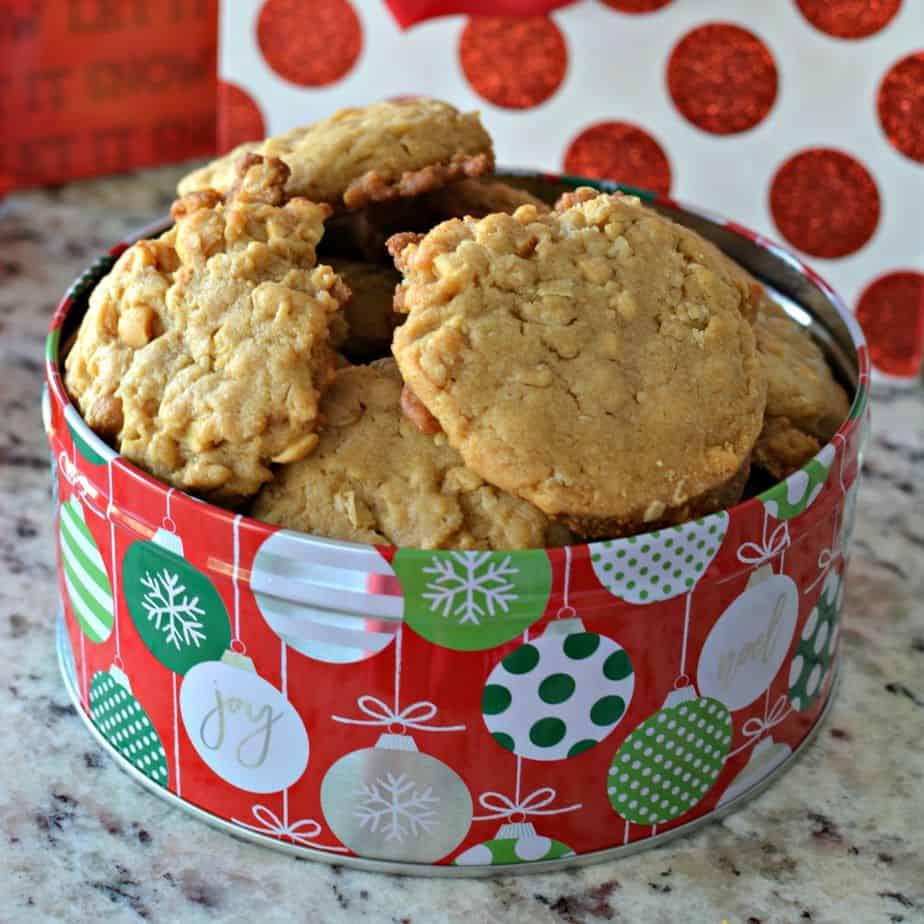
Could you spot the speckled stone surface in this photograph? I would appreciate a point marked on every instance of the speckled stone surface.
(840, 838)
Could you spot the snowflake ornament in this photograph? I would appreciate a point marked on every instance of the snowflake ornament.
(176, 610)
(472, 600)
(171, 611)
(392, 802)
(397, 806)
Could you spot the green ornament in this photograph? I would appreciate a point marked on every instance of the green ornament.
(472, 600)
(798, 492)
(85, 577)
(659, 565)
(815, 651)
(125, 725)
(671, 761)
(176, 610)
(859, 402)
(514, 843)
(87, 452)
(558, 695)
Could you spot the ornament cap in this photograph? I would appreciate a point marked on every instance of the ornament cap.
(242, 662)
(169, 541)
(570, 625)
(120, 677)
(682, 695)
(396, 742)
(761, 574)
(516, 830)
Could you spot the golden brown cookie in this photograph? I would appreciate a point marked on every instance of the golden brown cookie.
(362, 331)
(594, 361)
(375, 478)
(368, 154)
(478, 197)
(204, 352)
(362, 234)
(805, 405)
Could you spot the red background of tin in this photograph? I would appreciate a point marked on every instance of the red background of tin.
(453, 680)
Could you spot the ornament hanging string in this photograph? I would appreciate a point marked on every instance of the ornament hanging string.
(536, 803)
(117, 660)
(416, 715)
(827, 557)
(755, 727)
(301, 832)
(80, 483)
(754, 553)
(168, 522)
(566, 611)
(176, 739)
(236, 643)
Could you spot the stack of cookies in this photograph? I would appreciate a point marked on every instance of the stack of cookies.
(356, 331)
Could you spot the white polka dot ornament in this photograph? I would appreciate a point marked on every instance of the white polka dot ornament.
(800, 490)
(659, 565)
(123, 722)
(671, 761)
(560, 694)
(515, 843)
(814, 656)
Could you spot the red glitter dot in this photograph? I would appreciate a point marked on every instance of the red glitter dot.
(824, 202)
(849, 19)
(309, 42)
(622, 152)
(239, 117)
(637, 6)
(891, 312)
(722, 78)
(901, 106)
(514, 63)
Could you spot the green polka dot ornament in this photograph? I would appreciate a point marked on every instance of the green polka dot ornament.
(472, 600)
(560, 694)
(799, 491)
(85, 578)
(123, 722)
(659, 565)
(670, 762)
(811, 663)
(514, 843)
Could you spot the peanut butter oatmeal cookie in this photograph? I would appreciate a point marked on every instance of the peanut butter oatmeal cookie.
(362, 331)
(805, 405)
(594, 361)
(368, 154)
(204, 352)
(375, 477)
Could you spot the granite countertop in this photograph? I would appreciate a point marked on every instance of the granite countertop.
(839, 838)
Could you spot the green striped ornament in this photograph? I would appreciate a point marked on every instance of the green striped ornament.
(125, 725)
(85, 578)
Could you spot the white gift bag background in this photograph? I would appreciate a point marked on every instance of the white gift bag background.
(802, 119)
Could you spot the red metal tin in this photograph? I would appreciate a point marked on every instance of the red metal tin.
(456, 712)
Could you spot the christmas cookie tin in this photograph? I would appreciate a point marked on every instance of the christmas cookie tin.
(456, 712)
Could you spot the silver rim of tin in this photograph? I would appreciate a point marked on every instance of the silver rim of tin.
(424, 869)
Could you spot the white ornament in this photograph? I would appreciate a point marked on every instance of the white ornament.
(391, 802)
(242, 726)
(765, 758)
(747, 645)
(559, 694)
(659, 565)
(332, 601)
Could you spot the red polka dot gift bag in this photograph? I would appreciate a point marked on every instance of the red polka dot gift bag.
(803, 119)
